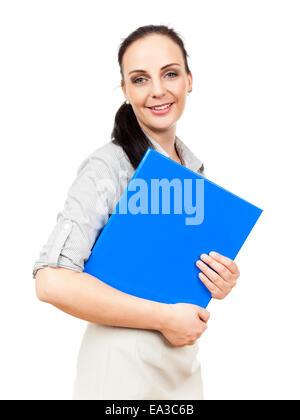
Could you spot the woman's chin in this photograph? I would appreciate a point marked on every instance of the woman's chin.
(161, 124)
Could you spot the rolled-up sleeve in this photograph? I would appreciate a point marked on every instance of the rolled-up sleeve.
(86, 211)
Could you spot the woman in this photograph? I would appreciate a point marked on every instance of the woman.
(133, 348)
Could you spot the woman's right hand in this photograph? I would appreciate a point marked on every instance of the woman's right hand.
(185, 323)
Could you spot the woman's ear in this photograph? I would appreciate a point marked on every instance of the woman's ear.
(123, 88)
(190, 82)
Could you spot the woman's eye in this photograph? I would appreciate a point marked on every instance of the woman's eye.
(139, 80)
(136, 80)
(172, 72)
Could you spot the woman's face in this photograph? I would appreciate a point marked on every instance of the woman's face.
(154, 74)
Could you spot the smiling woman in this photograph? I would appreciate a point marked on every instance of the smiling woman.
(155, 79)
(133, 348)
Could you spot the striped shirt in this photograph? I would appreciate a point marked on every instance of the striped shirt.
(100, 181)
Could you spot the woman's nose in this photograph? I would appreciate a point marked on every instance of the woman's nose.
(157, 88)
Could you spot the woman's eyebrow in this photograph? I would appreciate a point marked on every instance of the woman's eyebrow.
(144, 71)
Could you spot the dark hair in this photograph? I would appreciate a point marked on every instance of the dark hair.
(127, 132)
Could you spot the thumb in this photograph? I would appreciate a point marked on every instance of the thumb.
(204, 315)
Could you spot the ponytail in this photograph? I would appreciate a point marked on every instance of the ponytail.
(128, 134)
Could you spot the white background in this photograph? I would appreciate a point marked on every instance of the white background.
(59, 92)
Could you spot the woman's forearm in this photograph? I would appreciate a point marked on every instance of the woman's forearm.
(85, 297)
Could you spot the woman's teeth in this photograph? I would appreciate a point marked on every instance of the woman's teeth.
(161, 107)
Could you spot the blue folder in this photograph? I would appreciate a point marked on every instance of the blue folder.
(151, 242)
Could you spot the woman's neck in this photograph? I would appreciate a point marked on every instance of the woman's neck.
(165, 139)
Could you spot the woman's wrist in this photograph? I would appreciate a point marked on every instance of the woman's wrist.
(161, 315)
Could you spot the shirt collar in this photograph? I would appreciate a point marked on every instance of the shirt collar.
(186, 155)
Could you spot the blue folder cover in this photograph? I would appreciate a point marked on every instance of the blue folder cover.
(153, 256)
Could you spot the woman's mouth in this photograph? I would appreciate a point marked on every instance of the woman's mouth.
(162, 109)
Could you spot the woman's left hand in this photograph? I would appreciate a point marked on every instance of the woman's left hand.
(221, 281)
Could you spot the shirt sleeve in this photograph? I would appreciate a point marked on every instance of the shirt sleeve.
(86, 211)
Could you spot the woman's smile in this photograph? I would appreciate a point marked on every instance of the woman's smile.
(162, 109)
